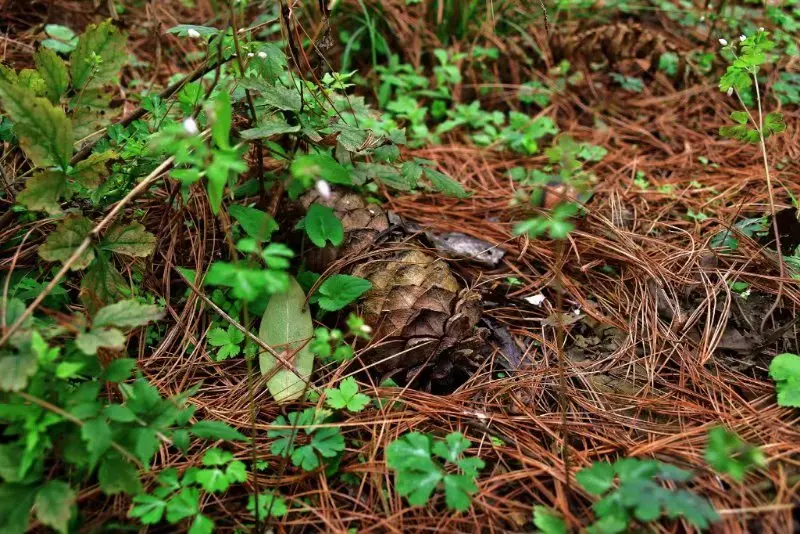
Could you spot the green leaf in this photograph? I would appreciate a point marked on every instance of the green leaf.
(287, 324)
(213, 480)
(457, 491)
(256, 223)
(236, 472)
(596, 479)
(90, 172)
(129, 240)
(322, 225)
(54, 73)
(444, 184)
(222, 116)
(16, 501)
(547, 521)
(328, 441)
(269, 505)
(216, 430)
(147, 508)
(119, 413)
(274, 126)
(410, 451)
(773, 124)
(339, 290)
(43, 191)
(16, 369)
(119, 370)
(282, 97)
(97, 435)
(726, 453)
(62, 39)
(785, 371)
(117, 475)
(65, 240)
(454, 446)
(54, 503)
(102, 284)
(44, 132)
(127, 314)
(248, 283)
(201, 525)
(89, 342)
(418, 486)
(227, 340)
(183, 30)
(215, 456)
(184, 504)
(99, 56)
(312, 167)
(346, 396)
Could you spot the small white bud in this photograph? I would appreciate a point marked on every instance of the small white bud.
(702, 19)
(324, 189)
(742, 38)
(262, 55)
(761, 29)
(723, 42)
(250, 54)
(190, 125)
(194, 34)
(536, 299)
(730, 91)
(576, 311)
(365, 328)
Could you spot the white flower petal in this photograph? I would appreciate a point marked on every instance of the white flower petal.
(536, 299)
(194, 34)
(324, 189)
(742, 38)
(262, 55)
(723, 42)
(190, 125)
(730, 91)
(250, 54)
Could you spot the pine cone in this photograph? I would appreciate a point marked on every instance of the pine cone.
(423, 320)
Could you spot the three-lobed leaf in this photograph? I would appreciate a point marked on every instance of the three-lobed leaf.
(339, 290)
(785, 371)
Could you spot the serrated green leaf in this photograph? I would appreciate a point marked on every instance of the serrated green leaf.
(596, 479)
(119, 413)
(130, 240)
(65, 240)
(785, 371)
(184, 504)
(457, 492)
(311, 167)
(444, 184)
(99, 56)
(201, 525)
(740, 117)
(17, 368)
(322, 225)
(110, 338)
(286, 324)
(346, 396)
(54, 503)
(53, 71)
(452, 447)
(213, 480)
(274, 126)
(16, 501)
(256, 223)
(102, 284)
(97, 435)
(547, 521)
(215, 456)
(119, 370)
(44, 132)
(339, 290)
(410, 451)
(117, 475)
(127, 314)
(148, 508)
(90, 172)
(280, 97)
(43, 191)
(418, 487)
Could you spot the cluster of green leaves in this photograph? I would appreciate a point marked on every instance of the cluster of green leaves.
(177, 497)
(638, 495)
(567, 159)
(34, 99)
(746, 58)
(420, 464)
(301, 437)
(346, 396)
(785, 371)
(726, 453)
(330, 344)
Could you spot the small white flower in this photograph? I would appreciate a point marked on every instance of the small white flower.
(730, 91)
(702, 19)
(194, 34)
(723, 42)
(262, 55)
(745, 293)
(365, 328)
(250, 54)
(536, 299)
(576, 311)
(761, 29)
(324, 189)
(190, 125)
(742, 38)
